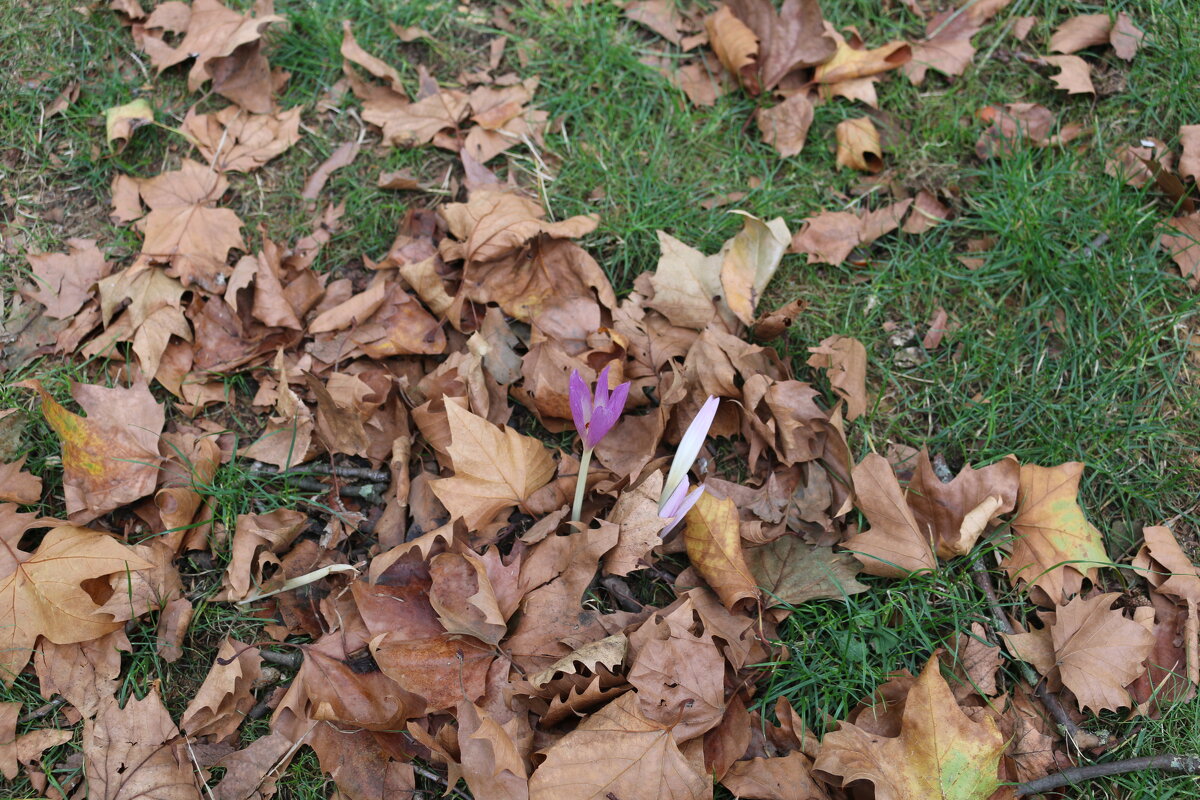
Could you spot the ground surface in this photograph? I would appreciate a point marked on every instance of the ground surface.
(1059, 351)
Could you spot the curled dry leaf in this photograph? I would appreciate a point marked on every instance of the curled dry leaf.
(1164, 564)
(1078, 33)
(714, 546)
(1054, 547)
(234, 140)
(220, 705)
(749, 261)
(735, 45)
(608, 652)
(894, 546)
(789, 39)
(858, 145)
(940, 751)
(845, 361)
(121, 121)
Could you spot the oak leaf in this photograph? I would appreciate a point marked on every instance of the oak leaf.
(714, 546)
(791, 571)
(616, 752)
(43, 594)
(1054, 546)
(940, 752)
(494, 468)
(1099, 651)
(1075, 75)
(234, 140)
(110, 457)
(136, 752)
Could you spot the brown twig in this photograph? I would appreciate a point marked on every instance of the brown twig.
(1183, 764)
(289, 660)
(429, 774)
(300, 477)
(42, 711)
(1082, 739)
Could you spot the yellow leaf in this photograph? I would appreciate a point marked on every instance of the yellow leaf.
(714, 545)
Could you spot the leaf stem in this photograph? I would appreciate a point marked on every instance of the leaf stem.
(581, 484)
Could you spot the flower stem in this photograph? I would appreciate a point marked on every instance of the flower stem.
(581, 484)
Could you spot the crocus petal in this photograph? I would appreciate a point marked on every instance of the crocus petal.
(683, 506)
(689, 447)
(674, 502)
(602, 388)
(581, 401)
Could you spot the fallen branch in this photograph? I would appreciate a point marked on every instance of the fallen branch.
(1082, 739)
(301, 478)
(1183, 764)
(42, 711)
(289, 660)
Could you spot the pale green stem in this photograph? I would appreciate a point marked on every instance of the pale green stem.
(581, 484)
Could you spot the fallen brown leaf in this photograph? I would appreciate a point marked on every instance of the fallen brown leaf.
(785, 126)
(234, 140)
(845, 361)
(136, 751)
(1075, 76)
(714, 547)
(1083, 31)
(1098, 651)
(858, 145)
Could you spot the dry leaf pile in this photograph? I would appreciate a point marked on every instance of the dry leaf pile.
(446, 614)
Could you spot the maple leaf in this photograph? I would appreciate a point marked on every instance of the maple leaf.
(184, 229)
(616, 752)
(234, 140)
(494, 468)
(1099, 651)
(791, 571)
(714, 546)
(65, 281)
(223, 42)
(42, 594)
(1054, 547)
(110, 457)
(136, 752)
(940, 752)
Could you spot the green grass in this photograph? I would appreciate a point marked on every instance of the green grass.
(1059, 353)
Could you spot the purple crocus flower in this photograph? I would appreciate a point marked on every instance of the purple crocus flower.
(595, 416)
(678, 505)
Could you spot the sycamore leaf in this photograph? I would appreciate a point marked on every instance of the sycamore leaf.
(184, 229)
(43, 594)
(1163, 563)
(492, 762)
(463, 597)
(65, 281)
(110, 457)
(783, 778)
(1077, 33)
(494, 468)
(940, 752)
(894, 545)
(791, 38)
(639, 526)
(845, 360)
(858, 145)
(1075, 76)
(136, 752)
(234, 140)
(714, 546)
(616, 752)
(1099, 651)
(791, 571)
(17, 486)
(1054, 546)
(785, 126)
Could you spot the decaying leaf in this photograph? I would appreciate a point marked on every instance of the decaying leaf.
(234, 140)
(1054, 547)
(940, 752)
(789, 570)
(714, 547)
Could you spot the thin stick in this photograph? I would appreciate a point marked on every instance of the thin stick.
(1183, 764)
(289, 660)
(429, 774)
(42, 711)
(1082, 739)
